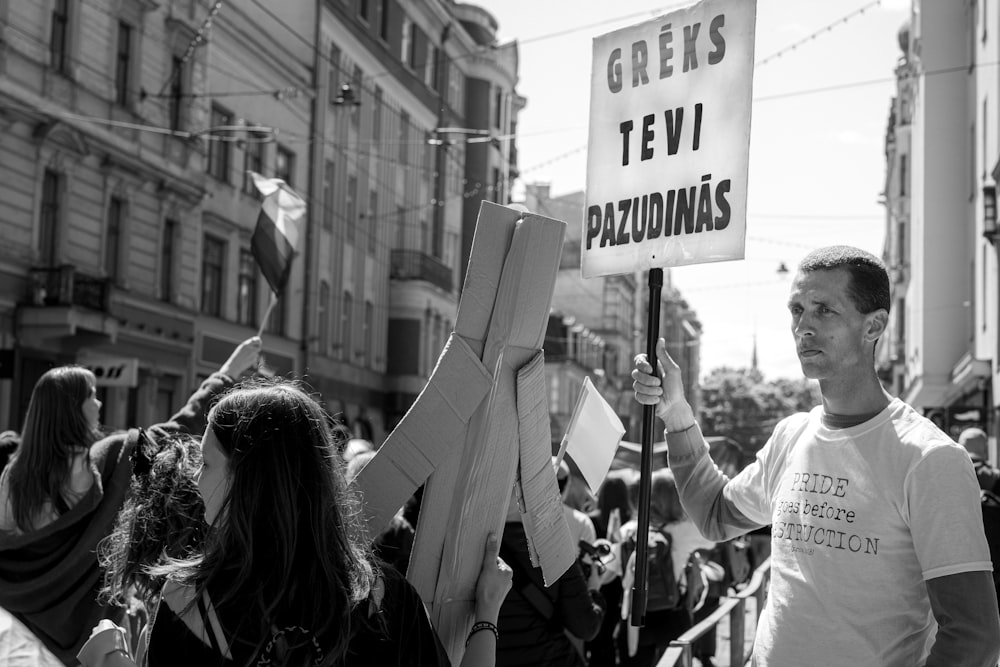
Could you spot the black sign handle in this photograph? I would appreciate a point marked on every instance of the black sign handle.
(639, 587)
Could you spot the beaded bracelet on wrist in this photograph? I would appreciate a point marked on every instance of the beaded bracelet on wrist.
(483, 625)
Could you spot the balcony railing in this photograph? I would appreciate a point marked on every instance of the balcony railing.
(63, 286)
(415, 265)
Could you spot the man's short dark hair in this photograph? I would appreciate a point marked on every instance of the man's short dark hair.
(869, 285)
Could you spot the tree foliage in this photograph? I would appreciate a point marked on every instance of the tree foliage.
(739, 403)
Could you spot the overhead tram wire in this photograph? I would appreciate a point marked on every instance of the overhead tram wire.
(198, 38)
(552, 35)
(794, 93)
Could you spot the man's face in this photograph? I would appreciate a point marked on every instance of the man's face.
(831, 336)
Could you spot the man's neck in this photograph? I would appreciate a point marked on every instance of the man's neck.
(853, 398)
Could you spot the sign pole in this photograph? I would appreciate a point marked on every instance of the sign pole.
(638, 614)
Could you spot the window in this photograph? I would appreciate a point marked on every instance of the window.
(218, 151)
(334, 74)
(123, 64)
(430, 66)
(383, 27)
(253, 160)
(59, 37)
(49, 216)
(400, 227)
(364, 10)
(112, 242)
(356, 77)
(352, 213)
(985, 20)
(276, 321)
(972, 161)
(404, 45)
(328, 204)
(167, 259)
(372, 221)
(367, 333)
(176, 103)
(404, 137)
(435, 60)
(377, 115)
(246, 297)
(345, 325)
(985, 129)
(212, 263)
(323, 317)
(414, 46)
(903, 175)
(498, 108)
(284, 165)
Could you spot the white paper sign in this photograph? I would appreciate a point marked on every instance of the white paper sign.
(670, 140)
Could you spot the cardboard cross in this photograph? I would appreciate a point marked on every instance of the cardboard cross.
(480, 427)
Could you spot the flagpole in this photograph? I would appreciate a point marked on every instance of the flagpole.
(267, 313)
(638, 612)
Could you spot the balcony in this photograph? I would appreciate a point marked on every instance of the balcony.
(63, 286)
(62, 302)
(415, 265)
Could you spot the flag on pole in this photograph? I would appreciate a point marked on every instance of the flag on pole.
(279, 227)
(592, 436)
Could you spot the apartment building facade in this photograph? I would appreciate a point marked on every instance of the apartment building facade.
(941, 347)
(128, 131)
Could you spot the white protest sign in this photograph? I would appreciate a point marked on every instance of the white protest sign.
(670, 140)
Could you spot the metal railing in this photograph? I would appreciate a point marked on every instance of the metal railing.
(680, 652)
(64, 286)
(415, 265)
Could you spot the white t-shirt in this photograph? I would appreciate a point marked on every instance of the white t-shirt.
(580, 526)
(860, 518)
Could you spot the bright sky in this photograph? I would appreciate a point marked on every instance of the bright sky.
(817, 163)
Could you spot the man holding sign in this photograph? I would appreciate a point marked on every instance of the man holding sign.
(877, 549)
(667, 161)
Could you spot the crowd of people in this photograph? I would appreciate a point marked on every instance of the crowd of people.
(228, 535)
(231, 534)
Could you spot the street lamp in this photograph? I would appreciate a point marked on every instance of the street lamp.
(990, 213)
(478, 135)
(346, 96)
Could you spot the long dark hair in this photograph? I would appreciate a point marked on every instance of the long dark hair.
(664, 501)
(613, 494)
(162, 520)
(55, 429)
(288, 547)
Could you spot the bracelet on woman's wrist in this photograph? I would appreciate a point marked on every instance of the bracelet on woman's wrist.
(483, 625)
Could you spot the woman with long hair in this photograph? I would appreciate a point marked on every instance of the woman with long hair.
(613, 509)
(285, 574)
(50, 473)
(59, 495)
